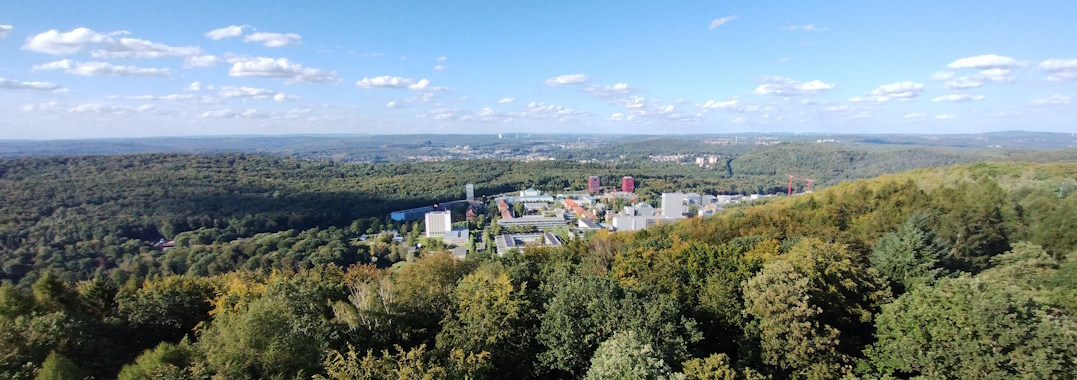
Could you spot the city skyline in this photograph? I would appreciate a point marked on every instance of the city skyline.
(79, 70)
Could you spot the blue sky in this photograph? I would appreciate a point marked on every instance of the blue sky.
(155, 68)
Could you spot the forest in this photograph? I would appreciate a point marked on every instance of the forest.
(964, 271)
(81, 217)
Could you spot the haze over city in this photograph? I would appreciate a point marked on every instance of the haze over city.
(137, 69)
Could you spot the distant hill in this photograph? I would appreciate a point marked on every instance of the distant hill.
(375, 148)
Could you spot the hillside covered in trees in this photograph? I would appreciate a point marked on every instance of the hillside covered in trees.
(87, 216)
(953, 272)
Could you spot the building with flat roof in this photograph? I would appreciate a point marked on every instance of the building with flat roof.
(459, 237)
(593, 184)
(533, 221)
(628, 184)
(411, 213)
(438, 223)
(673, 205)
(633, 223)
(509, 242)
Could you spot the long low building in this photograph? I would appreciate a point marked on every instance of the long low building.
(420, 212)
(509, 242)
(411, 213)
(533, 221)
(633, 223)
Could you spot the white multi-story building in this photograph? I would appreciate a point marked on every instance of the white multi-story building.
(672, 205)
(438, 223)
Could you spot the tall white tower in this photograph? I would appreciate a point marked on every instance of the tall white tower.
(470, 192)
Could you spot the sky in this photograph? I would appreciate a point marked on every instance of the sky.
(78, 69)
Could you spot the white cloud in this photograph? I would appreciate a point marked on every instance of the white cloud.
(543, 111)
(46, 106)
(443, 59)
(566, 80)
(739, 120)
(621, 117)
(254, 93)
(245, 92)
(621, 94)
(721, 21)
(486, 114)
(100, 68)
(187, 98)
(393, 104)
(915, 115)
(179, 98)
(100, 108)
(729, 105)
(291, 72)
(439, 68)
(964, 82)
(945, 117)
(202, 61)
(981, 78)
(104, 45)
(506, 100)
(601, 91)
(395, 82)
(958, 98)
(5, 30)
(892, 91)
(229, 114)
(279, 97)
(9, 84)
(808, 27)
(226, 32)
(1052, 101)
(194, 86)
(1060, 69)
(274, 39)
(56, 43)
(136, 48)
(983, 62)
(942, 75)
(782, 86)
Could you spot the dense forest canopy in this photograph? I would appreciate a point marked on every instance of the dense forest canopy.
(952, 272)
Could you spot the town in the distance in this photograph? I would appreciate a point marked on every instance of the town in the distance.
(533, 218)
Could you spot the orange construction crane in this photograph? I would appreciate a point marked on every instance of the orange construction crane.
(791, 178)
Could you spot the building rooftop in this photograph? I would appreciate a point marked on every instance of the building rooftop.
(508, 242)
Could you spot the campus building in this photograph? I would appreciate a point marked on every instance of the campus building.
(628, 184)
(438, 223)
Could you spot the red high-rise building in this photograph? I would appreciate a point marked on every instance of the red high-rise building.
(628, 184)
(593, 184)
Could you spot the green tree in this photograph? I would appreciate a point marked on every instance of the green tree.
(413, 364)
(166, 361)
(910, 256)
(57, 367)
(489, 315)
(585, 310)
(626, 356)
(787, 325)
(971, 328)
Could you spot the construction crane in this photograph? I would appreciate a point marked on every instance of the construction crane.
(792, 178)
